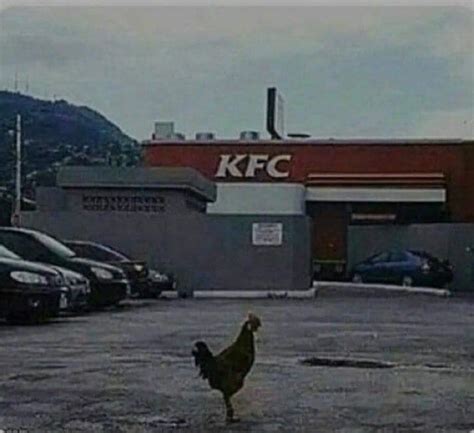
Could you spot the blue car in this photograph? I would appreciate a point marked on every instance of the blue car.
(407, 267)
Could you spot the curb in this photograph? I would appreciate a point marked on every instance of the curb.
(318, 287)
(248, 294)
(361, 287)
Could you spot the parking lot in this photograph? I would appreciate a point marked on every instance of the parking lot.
(131, 370)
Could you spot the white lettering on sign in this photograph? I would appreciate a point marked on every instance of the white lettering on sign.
(256, 162)
(248, 165)
(272, 166)
(228, 163)
(267, 234)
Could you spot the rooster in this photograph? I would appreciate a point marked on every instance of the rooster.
(227, 370)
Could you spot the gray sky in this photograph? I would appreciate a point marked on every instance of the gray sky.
(346, 71)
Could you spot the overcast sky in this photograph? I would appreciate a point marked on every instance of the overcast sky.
(344, 71)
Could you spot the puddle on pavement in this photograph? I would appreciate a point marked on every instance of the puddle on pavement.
(162, 421)
(364, 363)
(48, 366)
(346, 362)
(30, 377)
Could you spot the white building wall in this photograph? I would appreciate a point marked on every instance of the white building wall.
(259, 199)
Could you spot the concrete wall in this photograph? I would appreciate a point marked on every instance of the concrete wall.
(204, 251)
(446, 241)
(258, 199)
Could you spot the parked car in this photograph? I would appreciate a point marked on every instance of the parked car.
(406, 267)
(78, 289)
(144, 282)
(158, 281)
(29, 292)
(108, 284)
(76, 286)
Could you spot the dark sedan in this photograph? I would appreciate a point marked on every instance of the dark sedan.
(109, 284)
(76, 286)
(407, 267)
(144, 282)
(78, 289)
(29, 292)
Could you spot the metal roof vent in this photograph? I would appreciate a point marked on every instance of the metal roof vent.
(163, 129)
(249, 135)
(205, 136)
(176, 136)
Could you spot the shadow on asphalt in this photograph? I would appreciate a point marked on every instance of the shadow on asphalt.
(81, 317)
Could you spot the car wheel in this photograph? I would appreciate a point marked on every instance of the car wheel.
(15, 319)
(407, 281)
(357, 278)
(33, 318)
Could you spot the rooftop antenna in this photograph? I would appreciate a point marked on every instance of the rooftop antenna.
(16, 81)
(27, 85)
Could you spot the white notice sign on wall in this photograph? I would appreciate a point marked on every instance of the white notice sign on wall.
(267, 233)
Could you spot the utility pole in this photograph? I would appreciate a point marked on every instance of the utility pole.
(17, 209)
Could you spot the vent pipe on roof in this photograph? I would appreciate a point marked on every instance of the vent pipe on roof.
(249, 135)
(205, 136)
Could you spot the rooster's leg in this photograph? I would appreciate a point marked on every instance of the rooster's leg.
(229, 410)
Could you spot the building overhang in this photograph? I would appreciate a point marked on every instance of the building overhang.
(379, 194)
(376, 187)
(377, 179)
(144, 178)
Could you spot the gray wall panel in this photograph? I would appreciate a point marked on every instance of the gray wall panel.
(446, 241)
(204, 251)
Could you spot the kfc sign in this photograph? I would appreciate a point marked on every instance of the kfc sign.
(247, 166)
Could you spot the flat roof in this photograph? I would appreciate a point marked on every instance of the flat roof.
(314, 142)
(137, 177)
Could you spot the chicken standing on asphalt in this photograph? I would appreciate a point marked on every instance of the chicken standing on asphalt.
(227, 370)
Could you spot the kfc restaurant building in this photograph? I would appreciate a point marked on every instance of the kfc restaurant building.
(338, 183)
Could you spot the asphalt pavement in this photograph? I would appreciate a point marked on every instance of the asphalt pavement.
(130, 369)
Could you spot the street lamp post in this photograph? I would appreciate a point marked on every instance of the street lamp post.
(17, 207)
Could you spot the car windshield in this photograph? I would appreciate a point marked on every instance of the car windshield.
(424, 255)
(106, 253)
(95, 251)
(6, 253)
(114, 255)
(55, 246)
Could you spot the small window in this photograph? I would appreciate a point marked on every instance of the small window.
(96, 253)
(380, 258)
(25, 246)
(77, 248)
(100, 253)
(398, 256)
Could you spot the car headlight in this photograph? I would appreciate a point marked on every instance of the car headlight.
(102, 274)
(28, 277)
(157, 276)
(138, 267)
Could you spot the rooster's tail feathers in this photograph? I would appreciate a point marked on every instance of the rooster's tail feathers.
(203, 358)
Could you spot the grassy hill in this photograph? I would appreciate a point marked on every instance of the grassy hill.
(54, 134)
(57, 133)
